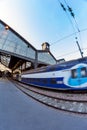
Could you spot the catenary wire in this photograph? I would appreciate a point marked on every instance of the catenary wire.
(73, 16)
(67, 36)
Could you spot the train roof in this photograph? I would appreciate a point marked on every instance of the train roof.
(60, 66)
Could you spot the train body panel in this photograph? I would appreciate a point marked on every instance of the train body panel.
(70, 75)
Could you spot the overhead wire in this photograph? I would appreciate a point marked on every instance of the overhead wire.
(65, 10)
(72, 14)
(76, 25)
(70, 53)
(67, 36)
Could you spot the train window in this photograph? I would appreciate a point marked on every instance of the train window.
(53, 81)
(83, 72)
(44, 80)
(74, 73)
(53, 68)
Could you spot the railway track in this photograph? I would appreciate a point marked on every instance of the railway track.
(75, 103)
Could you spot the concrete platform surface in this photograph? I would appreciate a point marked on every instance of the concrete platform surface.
(20, 112)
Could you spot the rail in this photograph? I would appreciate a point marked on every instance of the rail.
(70, 102)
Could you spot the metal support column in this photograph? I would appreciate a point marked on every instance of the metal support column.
(36, 60)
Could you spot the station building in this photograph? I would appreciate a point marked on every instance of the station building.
(17, 53)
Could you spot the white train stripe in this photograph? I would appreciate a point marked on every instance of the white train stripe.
(52, 74)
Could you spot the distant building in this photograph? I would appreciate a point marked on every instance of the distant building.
(45, 56)
(61, 60)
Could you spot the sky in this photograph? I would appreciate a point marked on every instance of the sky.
(40, 21)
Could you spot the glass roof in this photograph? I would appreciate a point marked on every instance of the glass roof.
(13, 43)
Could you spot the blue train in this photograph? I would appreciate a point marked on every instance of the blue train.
(70, 75)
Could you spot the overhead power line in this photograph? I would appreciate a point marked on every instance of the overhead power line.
(70, 53)
(70, 10)
(65, 10)
(72, 14)
(67, 36)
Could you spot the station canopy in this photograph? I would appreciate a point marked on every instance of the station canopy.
(15, 50)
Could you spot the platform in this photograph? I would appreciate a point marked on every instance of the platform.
(20, 112)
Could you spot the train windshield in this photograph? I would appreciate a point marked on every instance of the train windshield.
(74, 73)
(83, 72)
(78, 73)
(78, 77)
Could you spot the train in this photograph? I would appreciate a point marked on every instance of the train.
(69, 75)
